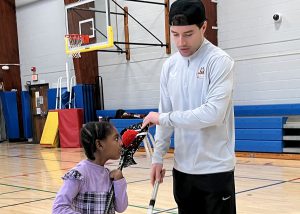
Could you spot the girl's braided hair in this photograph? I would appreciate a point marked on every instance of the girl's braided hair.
(91, 132)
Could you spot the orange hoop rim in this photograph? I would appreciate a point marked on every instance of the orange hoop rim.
(84, 38)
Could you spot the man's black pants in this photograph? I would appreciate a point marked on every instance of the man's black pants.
(204, 194)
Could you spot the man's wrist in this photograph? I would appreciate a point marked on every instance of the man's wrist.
(157, 159)
(163, 118)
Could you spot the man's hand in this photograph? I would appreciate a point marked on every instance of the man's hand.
(151, 118)
(157, 173)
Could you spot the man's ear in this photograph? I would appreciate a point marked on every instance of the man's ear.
(204, 26)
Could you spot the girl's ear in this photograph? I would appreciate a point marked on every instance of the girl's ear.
(99, 144)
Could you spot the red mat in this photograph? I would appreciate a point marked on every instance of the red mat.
(69, 125)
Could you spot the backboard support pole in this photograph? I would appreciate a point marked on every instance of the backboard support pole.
(126, 29)
(167, 27)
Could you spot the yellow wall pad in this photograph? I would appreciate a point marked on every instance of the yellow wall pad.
(50, 132)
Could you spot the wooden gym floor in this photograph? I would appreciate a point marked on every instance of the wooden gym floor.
(30, 177)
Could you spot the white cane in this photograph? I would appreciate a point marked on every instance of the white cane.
(156, 184)
(153, 197)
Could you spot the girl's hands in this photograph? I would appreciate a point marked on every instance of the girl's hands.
(116, 174)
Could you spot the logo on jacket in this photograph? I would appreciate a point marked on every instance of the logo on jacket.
(200, 73)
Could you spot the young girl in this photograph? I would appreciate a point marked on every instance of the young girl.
(86, 186)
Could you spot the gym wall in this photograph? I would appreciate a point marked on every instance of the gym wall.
(266, 53)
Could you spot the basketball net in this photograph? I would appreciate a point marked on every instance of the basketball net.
(75, 41)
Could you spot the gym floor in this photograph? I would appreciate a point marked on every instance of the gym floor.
(30, 176)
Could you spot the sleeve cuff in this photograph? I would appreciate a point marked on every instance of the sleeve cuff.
(119, 182)
(164, 119)
(156, 158)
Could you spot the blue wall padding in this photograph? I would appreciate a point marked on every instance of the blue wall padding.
(260, 122)
(65, 96)
(26, 113)
(267, 110)
(258, 134)
(84, 98)
(10, 110)
(259, 146)
(124, 123)
(259, 128)
(85, 103)
(91, 107)
(52, 98)
(106, 113)
(112, 113)
(79, 102)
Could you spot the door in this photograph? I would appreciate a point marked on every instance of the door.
(39, 109)
(211, 32)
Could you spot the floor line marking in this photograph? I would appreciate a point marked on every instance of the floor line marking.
(266, 186)
(11, 205)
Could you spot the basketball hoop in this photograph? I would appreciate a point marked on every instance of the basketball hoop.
(75, 41)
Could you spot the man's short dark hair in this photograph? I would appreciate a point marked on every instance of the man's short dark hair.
(187, 12)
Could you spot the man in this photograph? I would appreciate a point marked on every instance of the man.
(196, 87)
